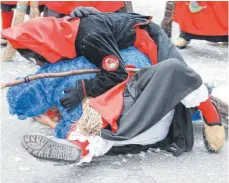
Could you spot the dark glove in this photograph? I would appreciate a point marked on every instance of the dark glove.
(75, 96)
(83, 11)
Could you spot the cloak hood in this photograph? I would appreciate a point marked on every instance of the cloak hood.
(52, 38)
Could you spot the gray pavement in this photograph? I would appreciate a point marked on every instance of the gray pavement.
(197, 166)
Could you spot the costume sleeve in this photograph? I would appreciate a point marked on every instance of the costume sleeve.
(166, 49)
(101, 49)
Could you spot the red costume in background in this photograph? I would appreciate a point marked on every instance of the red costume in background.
(66, 7)
(7, 15)
(63, 7)
(211, 20)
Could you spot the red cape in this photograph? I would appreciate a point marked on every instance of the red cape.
(212, 20)
(50, 37)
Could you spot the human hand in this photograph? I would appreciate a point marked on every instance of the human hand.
(83, 11)
(43, 119)
(74, 97)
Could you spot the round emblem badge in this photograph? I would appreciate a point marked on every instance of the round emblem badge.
(110, 63)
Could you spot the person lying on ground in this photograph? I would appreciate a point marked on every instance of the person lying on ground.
(130, 107)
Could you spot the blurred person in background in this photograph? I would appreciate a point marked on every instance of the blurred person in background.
(201, 20)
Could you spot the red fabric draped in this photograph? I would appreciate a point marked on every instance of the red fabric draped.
(212, 20)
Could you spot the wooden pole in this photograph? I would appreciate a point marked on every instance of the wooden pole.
(19, 15)
(166, 23)
(54, 75)
(222, 106)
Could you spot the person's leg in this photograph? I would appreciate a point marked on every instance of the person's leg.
(188, 37)
(183, 40)
(46, 120)
(204, 104)
(47, 148)
(41, 8)
(77, 148)
(7, 16)
(214, 134)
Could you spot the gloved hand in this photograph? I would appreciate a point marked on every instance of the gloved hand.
(75, 96)
(83, 11)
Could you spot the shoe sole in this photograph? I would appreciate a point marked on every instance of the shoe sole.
(45, 148)
(207, 144)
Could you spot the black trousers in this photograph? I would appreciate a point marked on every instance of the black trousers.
(188, 37)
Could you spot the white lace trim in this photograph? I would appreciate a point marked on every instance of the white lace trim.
(194, 98)
(97, 145)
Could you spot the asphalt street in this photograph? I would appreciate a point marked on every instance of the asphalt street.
(154, 166)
